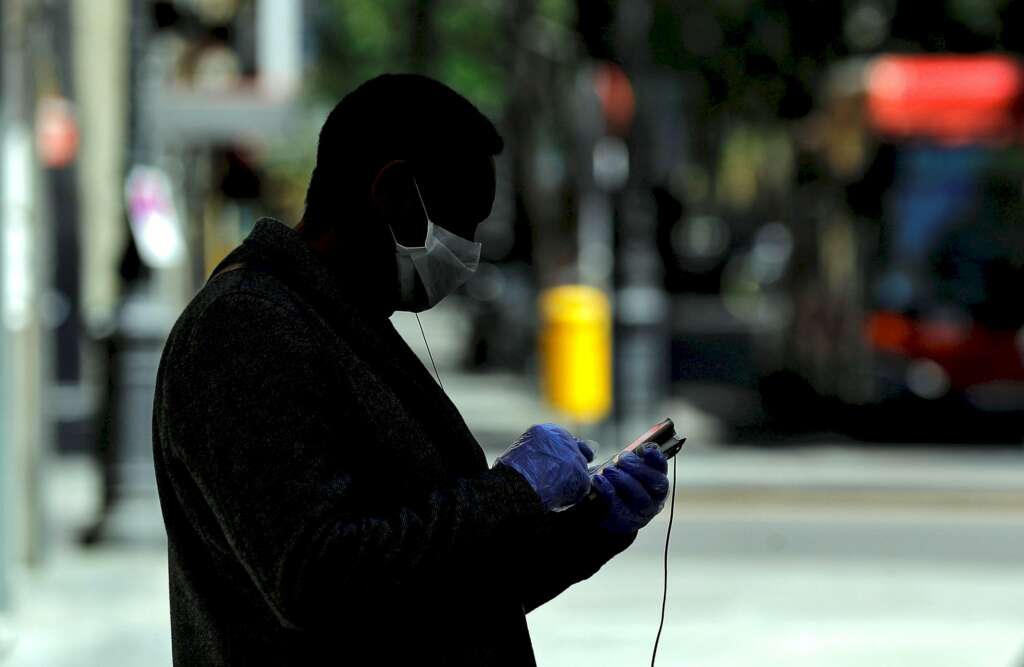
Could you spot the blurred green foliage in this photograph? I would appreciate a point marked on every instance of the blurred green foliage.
(471, 53)
(466, 44)
(354, 40)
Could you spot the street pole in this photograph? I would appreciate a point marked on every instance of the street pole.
(139, 304)
(6, 432)
(100, 59)
(641, 306)
(24, 339)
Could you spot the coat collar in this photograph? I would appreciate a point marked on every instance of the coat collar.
(363, 283)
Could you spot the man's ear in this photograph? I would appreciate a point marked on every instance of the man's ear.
(394, 202)
(389, 189)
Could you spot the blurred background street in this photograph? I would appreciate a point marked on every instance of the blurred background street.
(794, 227)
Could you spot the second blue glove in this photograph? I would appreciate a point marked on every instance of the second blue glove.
(633, 490)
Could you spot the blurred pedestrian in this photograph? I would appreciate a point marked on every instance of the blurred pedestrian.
(324, 501)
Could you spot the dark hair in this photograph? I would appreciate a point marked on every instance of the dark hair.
(392, 117)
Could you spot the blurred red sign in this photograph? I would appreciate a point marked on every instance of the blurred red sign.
(952, 98)
(56, 132)
(616, 94)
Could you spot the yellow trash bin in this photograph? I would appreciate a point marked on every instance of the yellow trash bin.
(576, 351)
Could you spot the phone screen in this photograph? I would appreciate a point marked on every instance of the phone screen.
(653, 434)
(650, 436)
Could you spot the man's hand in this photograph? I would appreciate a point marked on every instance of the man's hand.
(553, 462)
(633, 490)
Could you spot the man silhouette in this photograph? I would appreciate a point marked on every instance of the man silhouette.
(324, 501)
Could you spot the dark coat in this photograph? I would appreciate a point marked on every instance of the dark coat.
(325, 503)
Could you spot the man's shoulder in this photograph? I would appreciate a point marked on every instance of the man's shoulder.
(241, 301)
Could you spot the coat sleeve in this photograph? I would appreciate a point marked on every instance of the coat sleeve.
(281, 494)
(566, 548)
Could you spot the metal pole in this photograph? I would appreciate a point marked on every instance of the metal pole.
(130, 510)
(22, 374)
(641, 306)
(6, 435)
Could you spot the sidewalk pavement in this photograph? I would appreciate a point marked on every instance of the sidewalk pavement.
(811, 610)
(801, 586)
(104, 606)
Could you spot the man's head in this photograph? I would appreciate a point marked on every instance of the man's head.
(383, 138)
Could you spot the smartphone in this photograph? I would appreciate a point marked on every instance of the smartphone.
(662, 434)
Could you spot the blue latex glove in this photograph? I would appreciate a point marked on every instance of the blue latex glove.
(633, 490)
(554, 462)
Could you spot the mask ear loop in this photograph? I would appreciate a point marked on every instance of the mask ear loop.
(419, 194)
(423, 206)
(426, 215)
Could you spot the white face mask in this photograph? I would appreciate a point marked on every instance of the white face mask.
(443, 263)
